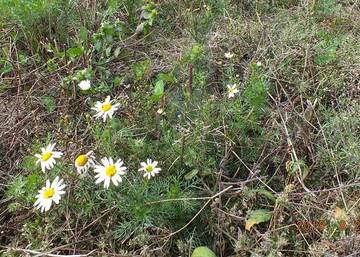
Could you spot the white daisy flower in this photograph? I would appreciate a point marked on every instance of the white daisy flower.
(47, 157)
(232, 90)
(229, 55)
(149, 167)
(105, 109)
(109, 171)
(84, 161)
(258, 64)
(160, 111)
(50, 193)
(85, 85)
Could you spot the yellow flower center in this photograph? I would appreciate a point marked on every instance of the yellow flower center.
(81, 160)
(48, 193)
(46, 156)
(149, 168)
(106, 107)
(110, 170)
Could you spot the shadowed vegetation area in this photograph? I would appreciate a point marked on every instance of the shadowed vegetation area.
(250, 108)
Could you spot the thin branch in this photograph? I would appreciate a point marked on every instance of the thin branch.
(198, 213)
(36, 253)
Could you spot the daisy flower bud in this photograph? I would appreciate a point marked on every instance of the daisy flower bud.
(84, 161)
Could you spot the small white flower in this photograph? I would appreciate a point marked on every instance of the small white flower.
(258, 64)
(232, 90)
(47, 157)
(160, 111)
(105, 109)
(109, 171)
(50, 193)
(229, 55)
(85, 84)
(84, 161)
(149, 167)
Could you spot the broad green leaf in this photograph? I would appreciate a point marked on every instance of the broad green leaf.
(117, 52)
(326, 56)
(83, 34)
(266, 193)
(108, 51)
(75, 52)
(257, 216)
(140, 27)
(146, 15)
(158, 90)
(191, 174)
(108, 29)
(51, 65)
(203, 251)
(195, 52)
(141, 68)
(98, 45)
(23, 59)
(166, 77)
(116, 124)
(7, 67)
(294, 166)
(117, 81)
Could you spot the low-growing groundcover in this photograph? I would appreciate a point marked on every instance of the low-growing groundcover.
(150, 128)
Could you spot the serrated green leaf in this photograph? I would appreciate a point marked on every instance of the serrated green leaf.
(49, 102)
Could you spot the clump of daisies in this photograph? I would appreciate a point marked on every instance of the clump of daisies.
(84, 161)
(232, 90)
(149, 168)
(50, 193)
(109, 171)
(47, 157)
(105, 109)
